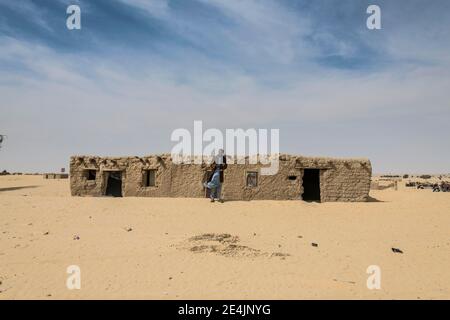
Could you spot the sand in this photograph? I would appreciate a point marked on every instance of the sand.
(162, 248)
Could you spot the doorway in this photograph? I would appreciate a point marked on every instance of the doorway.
(114, 184)
(311, 185)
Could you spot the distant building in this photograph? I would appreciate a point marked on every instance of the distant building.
(55, 175)
(298, 177)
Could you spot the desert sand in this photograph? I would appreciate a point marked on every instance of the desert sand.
(165, 248)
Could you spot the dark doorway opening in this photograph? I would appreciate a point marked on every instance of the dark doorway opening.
(311, 185)
(114, 184)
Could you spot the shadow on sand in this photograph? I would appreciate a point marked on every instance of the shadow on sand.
(17, 188)
(372, 199)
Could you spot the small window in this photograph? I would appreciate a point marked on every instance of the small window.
(149, 178)
(91, 174)
(292, 178)
(252, 179)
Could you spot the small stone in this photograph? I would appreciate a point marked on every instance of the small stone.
(76, 237)
(396, 250)
(314, 244)
(46, 233)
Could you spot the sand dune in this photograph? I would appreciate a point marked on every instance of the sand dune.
(156, 248)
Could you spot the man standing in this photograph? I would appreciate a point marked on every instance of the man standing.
(217, 178)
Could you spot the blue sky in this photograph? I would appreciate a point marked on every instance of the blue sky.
(138, 69)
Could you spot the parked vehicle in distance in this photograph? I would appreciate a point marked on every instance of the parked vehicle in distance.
(442, 187)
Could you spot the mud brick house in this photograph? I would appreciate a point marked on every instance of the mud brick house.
(298, 178)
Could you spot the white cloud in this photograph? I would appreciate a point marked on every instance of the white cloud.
(30, 10)
(156, 8)
(62, 112)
